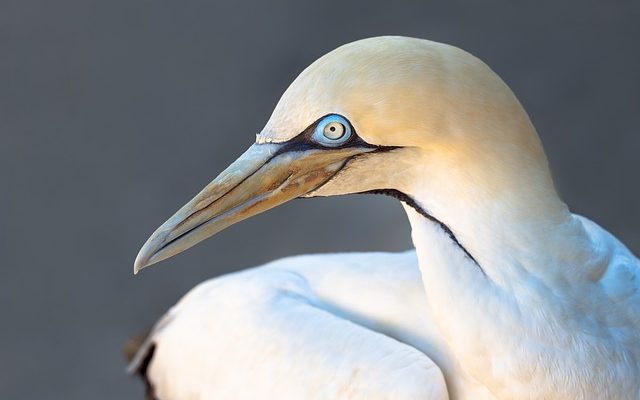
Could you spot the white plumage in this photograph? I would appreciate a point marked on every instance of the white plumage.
(507, 295)
(289, 330)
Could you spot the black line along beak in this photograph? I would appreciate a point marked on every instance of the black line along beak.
(265, 176)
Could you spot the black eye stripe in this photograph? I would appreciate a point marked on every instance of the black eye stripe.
(304, 140)
(306, 137)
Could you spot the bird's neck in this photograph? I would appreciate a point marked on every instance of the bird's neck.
(511, 249)
(498, 250)
(502, 215)
(502, 242)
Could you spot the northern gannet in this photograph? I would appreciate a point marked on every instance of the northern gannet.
(508, 295)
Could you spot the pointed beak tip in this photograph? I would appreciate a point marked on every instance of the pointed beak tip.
(137, 268)
(143, 260)
(138, 265)
(148, 254)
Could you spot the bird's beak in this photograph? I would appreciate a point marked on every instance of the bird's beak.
(265, 176)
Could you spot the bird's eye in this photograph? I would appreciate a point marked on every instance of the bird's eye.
(333, 130)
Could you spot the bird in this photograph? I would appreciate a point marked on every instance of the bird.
(507, 294)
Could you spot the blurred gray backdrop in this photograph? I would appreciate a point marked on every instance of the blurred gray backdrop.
(113, 113)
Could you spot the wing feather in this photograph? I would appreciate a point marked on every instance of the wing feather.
(268, 333)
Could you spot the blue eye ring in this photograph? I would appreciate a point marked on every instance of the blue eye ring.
(332, 130)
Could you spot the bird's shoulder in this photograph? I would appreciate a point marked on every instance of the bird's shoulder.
(611, 264)
(612, 295)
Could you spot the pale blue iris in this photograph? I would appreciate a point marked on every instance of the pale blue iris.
(333, 130)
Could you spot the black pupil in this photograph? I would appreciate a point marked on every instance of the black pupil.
(332, 129)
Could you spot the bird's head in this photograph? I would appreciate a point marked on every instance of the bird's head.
(397, 114)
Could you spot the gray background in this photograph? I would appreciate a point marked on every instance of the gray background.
(114, 113)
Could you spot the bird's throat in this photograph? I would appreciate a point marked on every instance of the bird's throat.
(406, 199)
